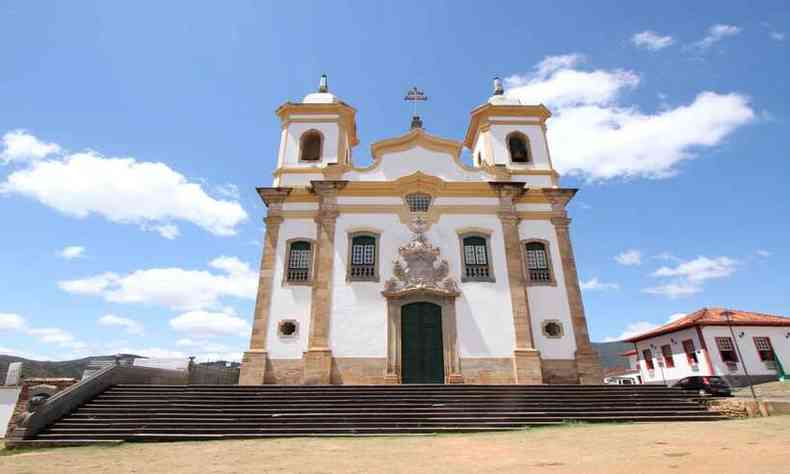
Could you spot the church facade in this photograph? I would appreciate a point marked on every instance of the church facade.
(418, 268)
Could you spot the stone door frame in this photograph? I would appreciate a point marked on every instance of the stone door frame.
(395, 304)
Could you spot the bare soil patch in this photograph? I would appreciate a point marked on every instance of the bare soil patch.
(737, 446)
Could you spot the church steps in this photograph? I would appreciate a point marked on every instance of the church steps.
(149, 413)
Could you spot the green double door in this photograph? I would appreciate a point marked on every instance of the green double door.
(422, 354)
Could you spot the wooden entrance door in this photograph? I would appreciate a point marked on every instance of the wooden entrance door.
(422, 351)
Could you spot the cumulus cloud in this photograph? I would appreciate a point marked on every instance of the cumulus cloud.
(676, 316)
(129, 325)
(687, 277)
(58, 337)
(20, 146)
(173, 287)
(651, 40)
(594, 284)
(206, 324)
(778, 36)
(150, 195)
(71, 252)
(700, 269)
(596, 134)
(629, 257)
(11, 322)
(632, 329)
(715, 34)
(763, 253)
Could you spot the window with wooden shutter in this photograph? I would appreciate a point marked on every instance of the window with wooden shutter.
(300, 259)
(764, 349)
(691, 353)
(476, 260)
(666, 352)
(363, 258)
(648, 356)
(726, 350)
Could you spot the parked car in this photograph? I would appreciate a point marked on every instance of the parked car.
(705, 384)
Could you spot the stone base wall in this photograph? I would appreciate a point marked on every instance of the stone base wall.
(284, 371)
(358, 370)
(488, 370)
(32, 387)
(560, 371)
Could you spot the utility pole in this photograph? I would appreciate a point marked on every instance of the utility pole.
(728, 315)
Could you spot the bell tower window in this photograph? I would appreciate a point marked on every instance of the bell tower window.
(310, 146)
(517, 145)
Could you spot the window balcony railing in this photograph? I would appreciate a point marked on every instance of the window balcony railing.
(363, 272)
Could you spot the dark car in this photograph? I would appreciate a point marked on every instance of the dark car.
(711, 385)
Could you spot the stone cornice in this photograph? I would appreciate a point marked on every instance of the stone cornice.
(559, 197)
(273, 196)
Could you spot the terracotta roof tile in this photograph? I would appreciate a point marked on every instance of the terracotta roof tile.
(715, 317)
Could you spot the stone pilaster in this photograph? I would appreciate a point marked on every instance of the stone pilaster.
(253, 365)
(318, 357)
(588, 363)
(526, 359)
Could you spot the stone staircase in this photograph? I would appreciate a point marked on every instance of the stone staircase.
(196, 412)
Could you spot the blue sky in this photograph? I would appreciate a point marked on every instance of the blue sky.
(133, 136)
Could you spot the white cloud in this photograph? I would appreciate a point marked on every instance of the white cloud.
(676, 316)
(763, 253)
(152, 352)
(57, 336)
(228, 190)
(715, 34)
(175, 288)
(651, 40)
(205, 324)
(778, 36)
(131, 326)
(674, 289)
(122, 190)
(595, 134)
(71, 252)
(594, 284)
(633, 329)
(629, 257)
(700, 269)
(11, 322)
(20, 146)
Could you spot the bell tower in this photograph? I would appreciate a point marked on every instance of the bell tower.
(510, 135)
(317, 136)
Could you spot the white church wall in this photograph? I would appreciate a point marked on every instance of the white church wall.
(549, 302)
(297, 179)
(289, 301)
(359, 312)
(408, 162)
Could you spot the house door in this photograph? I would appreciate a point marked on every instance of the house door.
(422, 352)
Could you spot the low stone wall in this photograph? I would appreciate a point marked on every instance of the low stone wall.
(747, 407)
(560, 371)
(27, 425)
(36, 386)
(488, 370)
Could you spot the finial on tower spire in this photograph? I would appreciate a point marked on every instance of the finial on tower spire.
(415, 95)
(322, 84)
(498, 89)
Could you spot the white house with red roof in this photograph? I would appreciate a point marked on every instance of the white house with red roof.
(715, 341)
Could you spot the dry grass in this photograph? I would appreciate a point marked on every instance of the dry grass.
(757, 445)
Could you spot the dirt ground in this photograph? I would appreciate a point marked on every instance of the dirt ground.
(757, 445)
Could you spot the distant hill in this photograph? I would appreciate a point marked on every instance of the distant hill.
(53, 369)
(608, 352)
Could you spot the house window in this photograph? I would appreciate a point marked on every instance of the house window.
(300, 258)
(517, 145)
(691, 353)
(764, 349)
(310, 146)
(648, 359)
(666, 352)
(418, 202)
(727, 350)
(538, 265)
(476, 259)
(362, 265)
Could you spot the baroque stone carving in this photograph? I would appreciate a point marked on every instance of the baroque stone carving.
(417, 269)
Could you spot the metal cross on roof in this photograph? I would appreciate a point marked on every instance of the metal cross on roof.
(414, 96)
